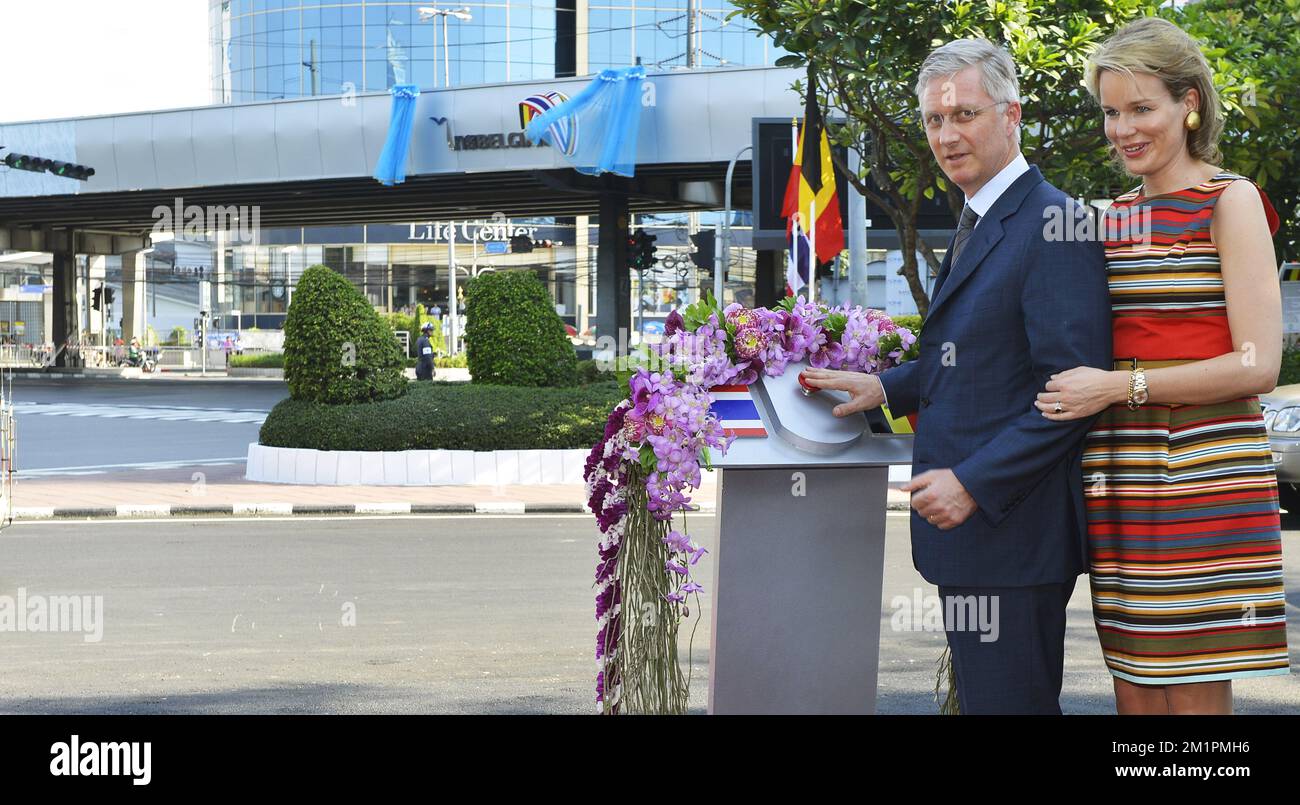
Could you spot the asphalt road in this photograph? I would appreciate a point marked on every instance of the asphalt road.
(83, 425)
(453, 614)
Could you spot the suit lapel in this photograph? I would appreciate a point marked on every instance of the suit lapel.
(986, 235)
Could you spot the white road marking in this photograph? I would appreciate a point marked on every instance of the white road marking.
(169, 413)
(95, 469)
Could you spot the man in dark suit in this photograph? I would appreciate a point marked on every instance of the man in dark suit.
(998, 520)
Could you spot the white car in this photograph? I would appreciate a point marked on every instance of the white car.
(1281, 408)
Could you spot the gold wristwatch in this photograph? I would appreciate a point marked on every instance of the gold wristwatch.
(1137, 388)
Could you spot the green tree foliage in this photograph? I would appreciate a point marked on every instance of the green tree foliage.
(513, 336)
(866, 55)
(1254, 49)
(336, 348)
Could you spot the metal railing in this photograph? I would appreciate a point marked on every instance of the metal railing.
(100, 357)
(8, 451)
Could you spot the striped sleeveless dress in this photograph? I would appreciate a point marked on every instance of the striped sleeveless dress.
(1184, 532)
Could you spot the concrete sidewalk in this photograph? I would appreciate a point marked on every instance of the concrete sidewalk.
(222, 489)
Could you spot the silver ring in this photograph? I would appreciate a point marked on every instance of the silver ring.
(1057, 410)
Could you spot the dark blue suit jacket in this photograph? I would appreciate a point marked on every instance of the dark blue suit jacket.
(1017, 309)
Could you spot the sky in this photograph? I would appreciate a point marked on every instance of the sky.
(74, 58)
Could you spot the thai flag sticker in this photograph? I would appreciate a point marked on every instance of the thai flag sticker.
(735, 409)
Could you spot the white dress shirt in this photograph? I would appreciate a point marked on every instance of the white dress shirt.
(993, 189)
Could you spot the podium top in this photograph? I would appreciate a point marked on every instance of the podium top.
(803, 432)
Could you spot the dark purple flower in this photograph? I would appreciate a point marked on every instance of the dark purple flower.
(673, 323)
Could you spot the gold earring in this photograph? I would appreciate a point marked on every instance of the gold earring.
(1193, 121)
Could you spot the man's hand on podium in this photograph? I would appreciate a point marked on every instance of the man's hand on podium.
(865, 389)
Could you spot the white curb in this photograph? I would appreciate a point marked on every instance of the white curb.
(287, 465)
(263, 508)
(33, 512)
(499, 507)
(144, 510)
(383, 508)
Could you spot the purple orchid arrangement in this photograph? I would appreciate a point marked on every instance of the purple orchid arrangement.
(655, 445)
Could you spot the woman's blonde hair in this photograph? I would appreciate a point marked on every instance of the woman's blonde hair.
(1157, 46)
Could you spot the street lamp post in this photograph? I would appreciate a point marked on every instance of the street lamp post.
(429, 12)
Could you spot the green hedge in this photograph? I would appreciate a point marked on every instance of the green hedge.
(257, 360)
(591, 372)
(513, 335)
(911, 322)
(450, 416)
(336, 348)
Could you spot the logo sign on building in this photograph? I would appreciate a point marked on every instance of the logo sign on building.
(497, 229)
(564, 133)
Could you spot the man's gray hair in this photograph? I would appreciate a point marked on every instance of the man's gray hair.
(997, 68)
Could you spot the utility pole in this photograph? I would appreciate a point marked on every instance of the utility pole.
(451, 287)
(691, 11)
(311, 65)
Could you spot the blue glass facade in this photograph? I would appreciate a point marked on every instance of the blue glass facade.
(266, 49)
(662, 35)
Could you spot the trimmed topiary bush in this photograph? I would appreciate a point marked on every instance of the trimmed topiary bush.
(513, 336)
(450, 416)
(336, 348)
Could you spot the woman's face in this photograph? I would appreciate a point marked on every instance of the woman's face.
(1143, 121)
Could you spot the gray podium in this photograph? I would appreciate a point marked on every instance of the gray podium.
(797, 577)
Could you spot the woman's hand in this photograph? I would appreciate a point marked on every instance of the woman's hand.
(1082, 392)
(866, 390)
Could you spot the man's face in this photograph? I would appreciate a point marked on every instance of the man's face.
(974, 139)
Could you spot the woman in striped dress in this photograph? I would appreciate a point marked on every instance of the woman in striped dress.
(1183, 526)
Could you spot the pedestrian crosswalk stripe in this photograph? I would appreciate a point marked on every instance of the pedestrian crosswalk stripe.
(164, 413)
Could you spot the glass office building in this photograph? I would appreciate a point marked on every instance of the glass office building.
(267, 49)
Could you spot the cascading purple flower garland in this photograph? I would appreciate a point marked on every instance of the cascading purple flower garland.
(655, 444)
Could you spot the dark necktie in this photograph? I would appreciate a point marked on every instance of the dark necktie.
(964, 229)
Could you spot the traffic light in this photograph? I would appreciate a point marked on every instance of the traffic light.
(705, 250)
(26, 162)
(633, 251)
(641, 250)
(647, 249)
(96, 295)
(108, 295)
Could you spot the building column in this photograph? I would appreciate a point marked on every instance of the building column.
(134, 310)
(857, 226)
(65, 302)
(65, 314)
(582, 272)
(220, 306)
(581, 12)
(613, 282)
(769, 278)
